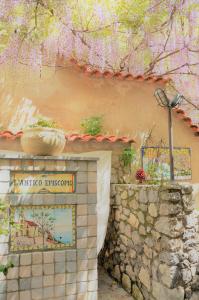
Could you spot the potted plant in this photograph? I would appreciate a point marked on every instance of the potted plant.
(44, 137)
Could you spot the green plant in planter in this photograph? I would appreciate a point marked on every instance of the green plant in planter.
(92, 125)
(44, 122)
(128, 156)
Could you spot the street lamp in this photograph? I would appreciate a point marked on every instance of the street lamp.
(164, 101)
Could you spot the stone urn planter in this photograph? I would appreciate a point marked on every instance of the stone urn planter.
(43, 141)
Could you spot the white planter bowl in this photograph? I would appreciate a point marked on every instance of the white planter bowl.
(43, 141)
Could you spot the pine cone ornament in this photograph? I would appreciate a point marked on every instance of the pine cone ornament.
(140, 175)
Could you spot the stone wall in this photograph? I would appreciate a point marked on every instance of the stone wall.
(61, 274)
(152, 243)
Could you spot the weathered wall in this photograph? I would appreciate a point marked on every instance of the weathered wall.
(69, 273)
(152, 242)
(68, 96)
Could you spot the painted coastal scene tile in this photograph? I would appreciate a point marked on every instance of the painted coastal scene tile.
(42, 227)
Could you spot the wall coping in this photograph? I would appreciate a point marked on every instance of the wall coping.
(24, 156)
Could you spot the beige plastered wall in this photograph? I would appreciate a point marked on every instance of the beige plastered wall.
(68, 95)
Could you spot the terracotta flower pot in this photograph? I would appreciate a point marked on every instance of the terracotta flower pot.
(43, 141)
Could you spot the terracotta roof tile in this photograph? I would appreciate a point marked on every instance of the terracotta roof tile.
(74, 137)
(182, 115)
(119, 75)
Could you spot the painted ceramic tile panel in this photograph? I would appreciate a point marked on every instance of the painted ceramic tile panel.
(156, 163)
(42, 182)
(42, 227)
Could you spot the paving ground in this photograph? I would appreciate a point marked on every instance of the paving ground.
(109, 289)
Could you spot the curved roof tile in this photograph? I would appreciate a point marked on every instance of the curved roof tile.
(119, 75)
(74, 137)
(182, 115)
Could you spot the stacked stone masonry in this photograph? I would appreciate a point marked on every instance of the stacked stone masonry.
(67, 274)
(152, 244)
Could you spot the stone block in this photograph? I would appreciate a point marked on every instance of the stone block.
(14, 258)
(71, 289)
(48, 257)
(92, 220)
(92, 296)
(3, 287)
(13, 273)
(82, 232)
(82, 287)
(60, 268)
(92, 275)
(126, 283)
(82, 177)
(92, 253)
(92, 188)
(36, 258)
(92, 230)
(60, 279)
(82, 243)
(13, 296)
(25, 284)
(71, 277)
(92, 166)
(36, 282)
(82, 221)
(92, 198)
(92, 286)
(37, 294)
(159, 291)
(37, 270)
(48, 269)
(3, 248)
(92, 209)
(92, 264)
(82, 198)
(92, 177)
(82, 254)
(92, 242)
(137, 293)
(82, 209)
(133, 221)
(82, 265)
(24, 271)
(60, 291)
(82, 166)
(25, 259)
(144, 277)
(71, 266)
(48, 280)
(82, 276)
(81, 188)
(12, 285)
(71, 255)
(60, 256)
(48, 292)
(25, 295)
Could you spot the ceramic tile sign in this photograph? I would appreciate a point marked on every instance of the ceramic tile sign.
(42, 227)
(42, 182)
(156, 163)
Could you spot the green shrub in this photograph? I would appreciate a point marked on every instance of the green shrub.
(127, 156)
(92, 125)
(44, 122)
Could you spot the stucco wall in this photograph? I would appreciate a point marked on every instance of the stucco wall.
(68, 96)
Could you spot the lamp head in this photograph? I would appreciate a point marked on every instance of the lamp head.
(176, 101)
(161, 97)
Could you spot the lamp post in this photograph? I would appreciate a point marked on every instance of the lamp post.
(164, 101)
